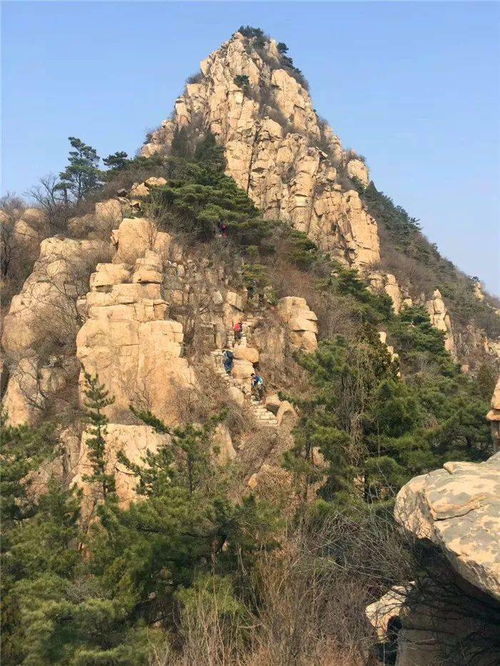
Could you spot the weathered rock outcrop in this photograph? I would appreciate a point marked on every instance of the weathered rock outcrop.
(133, 441)
(440, 319)
(106, 216)
(386, 283)
(127, 339)
(276, 147)
(301, 322)
(454, 511)
(493, 416)
(458, 509)
(40, 328)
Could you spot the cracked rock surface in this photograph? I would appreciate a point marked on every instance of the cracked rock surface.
(458, 508)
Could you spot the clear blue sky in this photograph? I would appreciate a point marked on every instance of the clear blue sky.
(415, 87)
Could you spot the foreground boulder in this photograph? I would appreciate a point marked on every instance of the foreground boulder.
(458, 509)
(450, 613)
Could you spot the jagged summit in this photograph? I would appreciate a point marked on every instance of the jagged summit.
(277, 148)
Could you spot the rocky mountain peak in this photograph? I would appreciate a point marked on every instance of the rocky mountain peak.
(255, 102)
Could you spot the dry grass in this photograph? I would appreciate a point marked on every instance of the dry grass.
(301, 606)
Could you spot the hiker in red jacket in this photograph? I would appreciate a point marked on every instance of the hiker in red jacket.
(238, 330)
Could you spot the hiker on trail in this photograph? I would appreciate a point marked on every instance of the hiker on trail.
(238, 330)
(227, 360)
(222, 226)
(252, 289)
(257, 386)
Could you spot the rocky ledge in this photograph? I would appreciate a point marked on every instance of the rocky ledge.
(458, 508)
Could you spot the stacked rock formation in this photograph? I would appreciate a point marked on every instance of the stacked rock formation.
(276, 147)
(127, 339)
(387, 283)
(301, 322)
(440, 319)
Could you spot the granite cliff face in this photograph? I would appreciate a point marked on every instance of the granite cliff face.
(277, 148)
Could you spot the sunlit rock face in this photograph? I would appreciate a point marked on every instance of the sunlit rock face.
(42, 321)
(440, 319)
(456, 507)
(127, 337)
(277, 149)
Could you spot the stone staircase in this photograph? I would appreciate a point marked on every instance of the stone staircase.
(247, 326)
(262, 415)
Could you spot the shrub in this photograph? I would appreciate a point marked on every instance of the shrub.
(252, 33)
(242, 81)
(195, 78)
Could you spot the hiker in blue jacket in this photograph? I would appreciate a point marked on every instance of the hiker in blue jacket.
(227, 360)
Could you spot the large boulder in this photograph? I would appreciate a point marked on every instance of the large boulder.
(458, 508)
(454, 513)
(135, 236)
(244, 353)
(301, 322)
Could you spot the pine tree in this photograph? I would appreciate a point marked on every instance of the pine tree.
(23, 450)
(97, 399)
(117, 161)
(82, 175)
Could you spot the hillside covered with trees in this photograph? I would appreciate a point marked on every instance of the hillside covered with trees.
(206, 562)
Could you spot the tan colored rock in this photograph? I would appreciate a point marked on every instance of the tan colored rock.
(457, 508)
(272, 403)
(224, 444)
(478, 291)
(134, 349)
(301, 322)
(288, 305)
(148, 269)
(304, 322)
(23, 401)
(493, 417)
(386, 283)
(383, 339)
(109, 213)
(242, 369)
(45, 308)
(440, 319)
(234, 300)
(285, 412)
(357, 169)
(135, 236)
(276, 159)
(236, 395)
(246, 353)
(107, 275)
(389, 606)
(134, 441)
(155, 182)
(139, 190)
